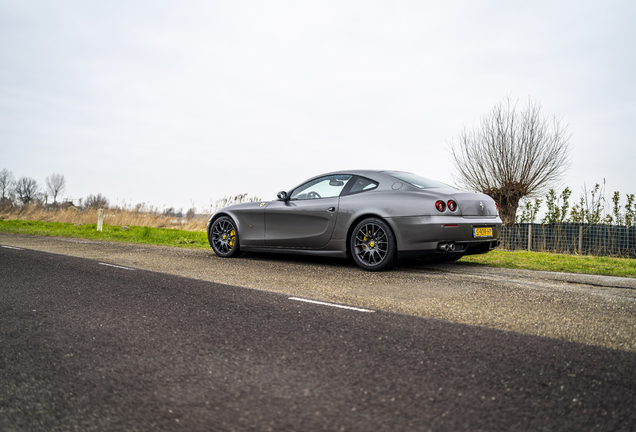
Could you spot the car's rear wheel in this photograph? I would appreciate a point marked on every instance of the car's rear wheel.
(224, 237)
(373, 245)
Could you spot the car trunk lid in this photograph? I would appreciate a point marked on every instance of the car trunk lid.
(475, 205)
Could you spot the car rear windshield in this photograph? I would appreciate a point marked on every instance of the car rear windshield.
(418, 181)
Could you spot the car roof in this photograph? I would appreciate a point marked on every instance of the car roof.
(383, 176)
(361, 172)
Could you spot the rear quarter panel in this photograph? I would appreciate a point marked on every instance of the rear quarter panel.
(384, 204)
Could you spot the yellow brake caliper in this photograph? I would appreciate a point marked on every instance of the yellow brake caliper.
(232, 238)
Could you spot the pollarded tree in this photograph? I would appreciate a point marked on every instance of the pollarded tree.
(511, 154)
(55, 184)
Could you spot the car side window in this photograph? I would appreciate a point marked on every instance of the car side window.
(362, 184)
(323, 187)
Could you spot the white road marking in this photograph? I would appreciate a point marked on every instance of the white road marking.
(331, 304)
(10, 247)
(113, 265)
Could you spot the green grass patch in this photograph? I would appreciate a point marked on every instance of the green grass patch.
(606, 266)
(133, 234)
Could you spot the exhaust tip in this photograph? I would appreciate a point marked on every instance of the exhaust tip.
(445, 247)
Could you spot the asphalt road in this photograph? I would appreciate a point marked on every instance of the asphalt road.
(588, 309)
(89, 346)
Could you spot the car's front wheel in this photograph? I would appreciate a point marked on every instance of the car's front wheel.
(224, 237)
(373, 245)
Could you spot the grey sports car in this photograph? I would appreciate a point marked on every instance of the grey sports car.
(376, 217)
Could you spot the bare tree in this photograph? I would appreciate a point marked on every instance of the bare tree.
(512, 154)
(96, 201)
(27, 189)
(55, 184)
(6, 183)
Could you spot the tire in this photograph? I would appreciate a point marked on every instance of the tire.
(224, 237)
(373, 245)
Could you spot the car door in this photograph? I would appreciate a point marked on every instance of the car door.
(307, 219)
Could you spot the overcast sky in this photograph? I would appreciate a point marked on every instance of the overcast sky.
(175, 103)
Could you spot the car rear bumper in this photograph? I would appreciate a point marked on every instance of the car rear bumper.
(469, 248)
(419, 234)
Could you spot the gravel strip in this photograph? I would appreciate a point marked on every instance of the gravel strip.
(595, 310)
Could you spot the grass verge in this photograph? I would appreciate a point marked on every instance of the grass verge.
(606, 266)
(133, 234)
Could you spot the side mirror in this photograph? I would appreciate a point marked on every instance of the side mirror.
(282, 195)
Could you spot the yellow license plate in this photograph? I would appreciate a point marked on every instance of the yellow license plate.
(482, 232)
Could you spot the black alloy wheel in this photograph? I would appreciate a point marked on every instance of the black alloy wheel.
(224, 237)
(373, 245)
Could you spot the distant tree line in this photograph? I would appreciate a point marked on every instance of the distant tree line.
(26, 191)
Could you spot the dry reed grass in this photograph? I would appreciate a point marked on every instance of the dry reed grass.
(139, 215)
(116, 216)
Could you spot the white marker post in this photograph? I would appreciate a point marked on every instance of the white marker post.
(100, 219)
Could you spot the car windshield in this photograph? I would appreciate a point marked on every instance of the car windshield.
(418, 181)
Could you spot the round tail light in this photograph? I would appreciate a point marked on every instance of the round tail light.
(452, 205)
(440, 206)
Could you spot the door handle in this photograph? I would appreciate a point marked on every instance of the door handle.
(331, 209)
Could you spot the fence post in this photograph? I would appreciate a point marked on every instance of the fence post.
(529, 237)
(581, 239)
(100, 219)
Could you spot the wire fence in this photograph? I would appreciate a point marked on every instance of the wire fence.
(583, 239)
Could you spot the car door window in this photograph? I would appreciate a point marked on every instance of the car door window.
(323, 187)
